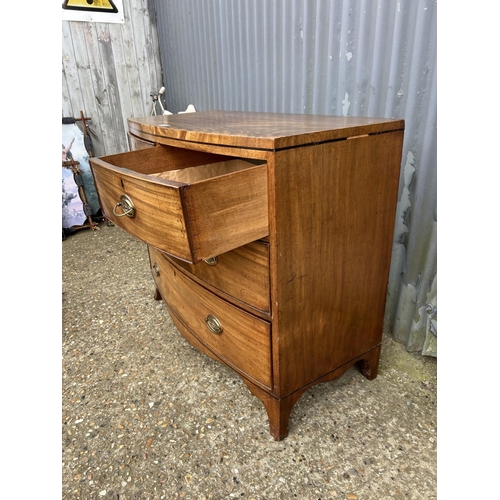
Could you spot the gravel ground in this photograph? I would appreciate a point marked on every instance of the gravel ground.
(146, 416)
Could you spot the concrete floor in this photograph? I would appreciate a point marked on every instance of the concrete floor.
(146, 416)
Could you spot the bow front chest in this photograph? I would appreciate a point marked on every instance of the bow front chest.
(269, 238)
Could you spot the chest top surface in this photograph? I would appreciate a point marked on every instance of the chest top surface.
(268, 131)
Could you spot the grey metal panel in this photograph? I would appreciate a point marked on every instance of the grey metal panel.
(109, 71)
(339, 57)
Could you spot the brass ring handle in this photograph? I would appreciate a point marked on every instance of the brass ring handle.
(156, 269)
(127, 206)
(213, 324)
(212, 261)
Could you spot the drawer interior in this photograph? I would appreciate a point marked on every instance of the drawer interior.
(190, 175)
(192, 205)
(178, 164)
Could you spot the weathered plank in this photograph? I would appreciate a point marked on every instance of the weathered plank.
(109, 71)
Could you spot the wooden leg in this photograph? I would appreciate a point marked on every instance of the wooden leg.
(157, 295)
(368, 366)
(278, 410)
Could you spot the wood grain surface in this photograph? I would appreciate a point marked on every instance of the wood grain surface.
(334, 208)
(242, 274)
(190, 221)
(257, 130)
(227, 212)
(245, 342)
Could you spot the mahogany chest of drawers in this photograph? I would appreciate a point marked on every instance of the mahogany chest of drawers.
(269, 238)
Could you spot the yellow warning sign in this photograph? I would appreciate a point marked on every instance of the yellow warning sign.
(90, 5)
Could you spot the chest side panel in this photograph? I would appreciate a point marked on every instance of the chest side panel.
(335, 209)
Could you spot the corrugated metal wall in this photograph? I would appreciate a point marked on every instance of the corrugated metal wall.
(339, 57)
(109, 71)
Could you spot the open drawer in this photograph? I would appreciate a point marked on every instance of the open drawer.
(190, 204)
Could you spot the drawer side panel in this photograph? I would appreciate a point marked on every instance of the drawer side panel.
(228, 212)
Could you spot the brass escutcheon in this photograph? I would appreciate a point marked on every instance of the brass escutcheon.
(127, 206)
(213, 324)
(156, 269)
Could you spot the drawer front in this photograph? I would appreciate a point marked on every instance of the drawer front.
(242, 273)
(190, 221)
(158, 217)
(240, 339)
